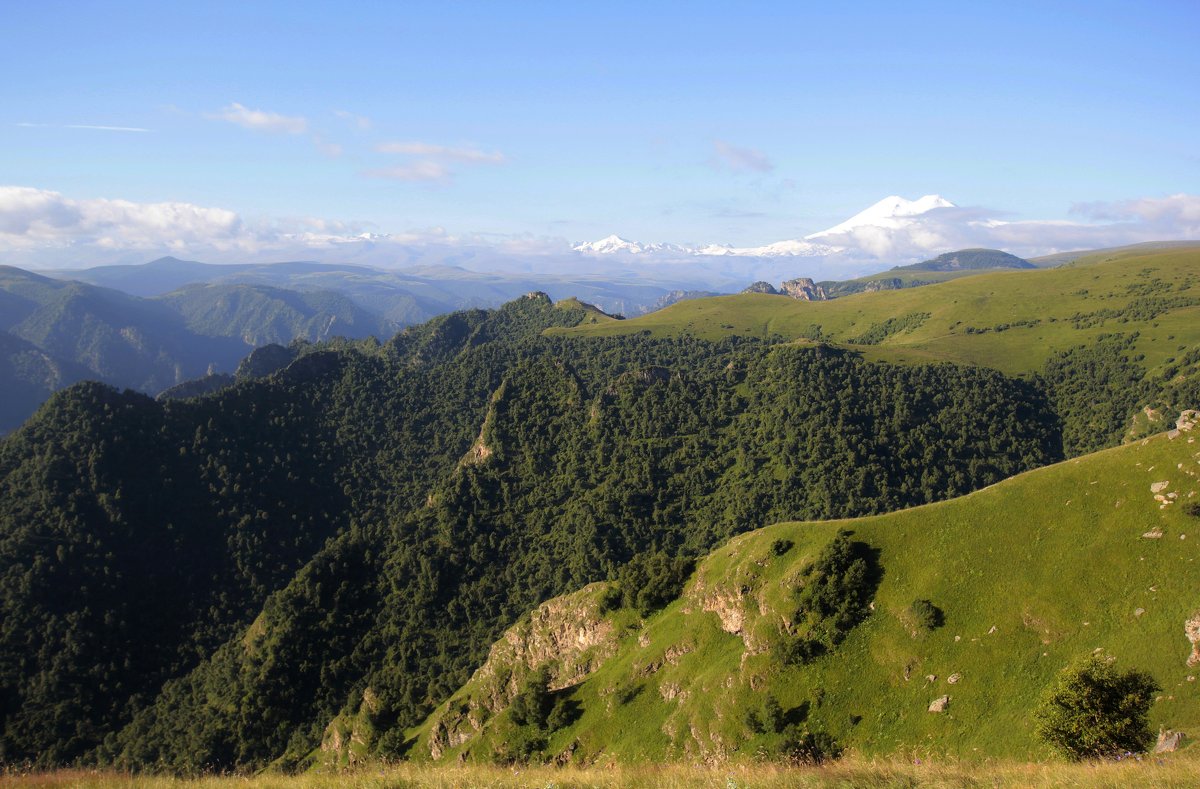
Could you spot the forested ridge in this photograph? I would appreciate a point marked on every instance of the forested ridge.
(204, 583)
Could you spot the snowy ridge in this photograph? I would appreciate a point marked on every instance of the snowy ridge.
(890, 213)
(614, 243)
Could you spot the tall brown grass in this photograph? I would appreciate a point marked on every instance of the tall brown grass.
(1180, 770)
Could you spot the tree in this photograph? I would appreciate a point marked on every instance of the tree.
(1094, 711)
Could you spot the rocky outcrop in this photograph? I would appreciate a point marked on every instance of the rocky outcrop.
(804, 289)
(568, 635)
(676, 296)
(347, 738)
(761, 287)
(1191, 628)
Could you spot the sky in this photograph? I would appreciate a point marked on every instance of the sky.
(690, 123)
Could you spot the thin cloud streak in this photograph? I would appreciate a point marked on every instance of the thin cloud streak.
(430, 162)
(416, 171)
(730, 157)
(440, 152)
(361, 122)
(87, 126)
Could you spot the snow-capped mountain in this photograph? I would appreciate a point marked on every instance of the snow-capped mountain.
(614, 243)
(891, 213)
(869, 230)
(780, 249)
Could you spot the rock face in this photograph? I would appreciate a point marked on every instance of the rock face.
(1168, 741)
(1191, 629)
(876, 285)
(804, 289)
(940, 704)
(569, 635)
(761, 287)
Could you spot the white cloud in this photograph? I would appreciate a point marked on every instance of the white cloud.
(1180, 211)
(727, 156)
(43, 228)
(37, 218)
(261, 120)
(945, 229)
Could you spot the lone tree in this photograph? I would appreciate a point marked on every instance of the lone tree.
(1094, 711)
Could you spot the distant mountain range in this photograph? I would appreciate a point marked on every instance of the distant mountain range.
(889, 214)
(55, 332)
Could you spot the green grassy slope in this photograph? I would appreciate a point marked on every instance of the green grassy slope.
(1031, 574)
(1012, 321)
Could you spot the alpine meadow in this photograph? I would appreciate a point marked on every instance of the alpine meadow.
(613, 395)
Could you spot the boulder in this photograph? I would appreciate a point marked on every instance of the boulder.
(940, 704)
(1168, 741)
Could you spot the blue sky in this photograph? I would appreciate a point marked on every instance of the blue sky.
(686, 122)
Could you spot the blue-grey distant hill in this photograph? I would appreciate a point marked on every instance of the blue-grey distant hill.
(969, 260)
(55, 332)
(402, 296)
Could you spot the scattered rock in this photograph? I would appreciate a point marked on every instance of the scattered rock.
(954, 678)
(939, 705)
(931, 678)
(1139, 611)
(1172, 434)
(1168, 741)
(1191, 628)
(993, 630)
(1154, 534)
(1159, 487)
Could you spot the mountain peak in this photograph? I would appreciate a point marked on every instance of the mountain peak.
(890, 212)
(610, 243)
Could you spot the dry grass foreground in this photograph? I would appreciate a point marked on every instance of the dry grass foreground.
(1170, 771)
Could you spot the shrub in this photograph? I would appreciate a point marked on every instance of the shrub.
(532, 704)
(780, 547)
(834, 596)
(926, 615)
(651, 580)
(801, 746)
(1192, 508)
(1094, 711)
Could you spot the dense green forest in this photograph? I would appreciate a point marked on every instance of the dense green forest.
(204, 583)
